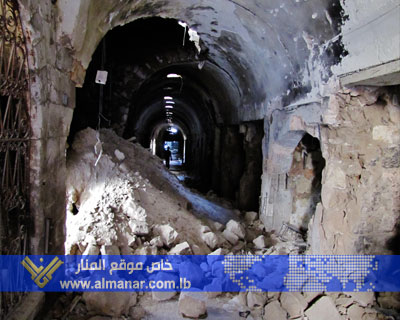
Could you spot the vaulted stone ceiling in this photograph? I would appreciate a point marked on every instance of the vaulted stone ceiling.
(264, 49)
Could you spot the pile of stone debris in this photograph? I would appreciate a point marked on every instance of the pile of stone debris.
(214, 305)
(114, 208)
(122, 201)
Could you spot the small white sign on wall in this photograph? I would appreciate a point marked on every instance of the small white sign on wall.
(101, 77)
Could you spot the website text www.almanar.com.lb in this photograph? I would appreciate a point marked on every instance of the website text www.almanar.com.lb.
(104, 284)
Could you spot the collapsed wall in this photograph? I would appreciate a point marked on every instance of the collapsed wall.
(360, 207)
(359, 133)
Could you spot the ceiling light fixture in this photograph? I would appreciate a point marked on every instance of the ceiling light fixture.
(174, 75)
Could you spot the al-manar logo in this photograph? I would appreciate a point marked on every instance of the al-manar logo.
(41, 275)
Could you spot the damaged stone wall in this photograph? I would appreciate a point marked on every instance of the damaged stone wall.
(52, 101)
(360, 206)
(359, 132)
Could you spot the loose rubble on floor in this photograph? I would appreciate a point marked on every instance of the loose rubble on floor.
(129, 204)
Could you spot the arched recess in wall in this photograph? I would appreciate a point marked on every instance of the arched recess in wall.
(304, 181)
(292, 188)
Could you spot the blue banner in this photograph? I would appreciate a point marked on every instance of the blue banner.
(208, 273)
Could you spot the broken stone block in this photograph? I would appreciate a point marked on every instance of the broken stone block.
(137, 313)
(192, 304)
(390, 301)
(239, 300)
(162, 295)
(236, 228)
(124, 167)
(273, 295)
(181, 248)
(363, 298)
(251, 216)
(218, 226)
(110, 250)
(294, 303)
(355, 312)
(205, 229)
(199, 251)
(256, 299)
(167, 233)
(112, 304)
(211, 239)
(119, 155)
(237, 303)
(343, 301)
(133, 211)
(230, 236)
(372, 315)
(273, 310)
(125, 236)
(310, 296)
(139, 228)
(157, 242)
(323, 308)
(260, 242)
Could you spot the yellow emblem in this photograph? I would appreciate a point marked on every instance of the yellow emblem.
(40, 275)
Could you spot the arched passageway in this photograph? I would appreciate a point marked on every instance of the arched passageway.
(159, 81)
(257, 73)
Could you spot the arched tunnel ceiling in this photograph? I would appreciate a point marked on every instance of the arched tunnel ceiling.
(264, 46)
(203, 92)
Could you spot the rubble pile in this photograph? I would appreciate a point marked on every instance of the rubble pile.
(114, 208)
(244, 305)
(310, 306)
(121, 200)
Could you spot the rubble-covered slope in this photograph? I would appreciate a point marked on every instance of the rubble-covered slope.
(111, 204)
